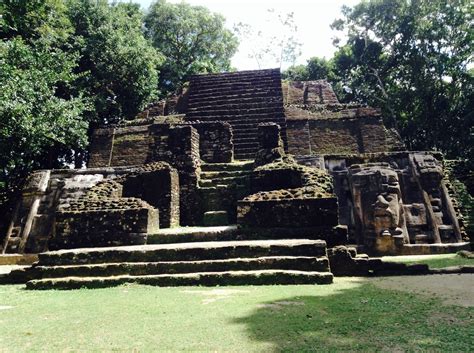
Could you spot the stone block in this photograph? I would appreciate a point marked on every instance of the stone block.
(215, 218)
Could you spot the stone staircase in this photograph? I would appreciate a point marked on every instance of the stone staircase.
(243, 99)
(221, 185)
(258, 262)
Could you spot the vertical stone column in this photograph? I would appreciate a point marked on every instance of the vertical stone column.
(27, 210)
(183, 145)
(270, 144)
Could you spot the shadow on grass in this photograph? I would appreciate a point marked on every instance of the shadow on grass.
(364, 318)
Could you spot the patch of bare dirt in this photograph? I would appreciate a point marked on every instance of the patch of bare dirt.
(280, 305)
(449, 318)
(215, 294)
(456, 289)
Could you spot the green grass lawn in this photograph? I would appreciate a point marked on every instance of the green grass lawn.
(351, 314)
(434, 261)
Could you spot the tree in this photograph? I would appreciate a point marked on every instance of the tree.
(296, 73)
(39, 127)
(34, 19)
(315, 69)
(118, 67)
(66, 67)
(191, 39)
(272, 49)
(411, 58)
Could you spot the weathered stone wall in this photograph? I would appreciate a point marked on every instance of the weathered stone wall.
(131, 146)
(271, 146)
(215, 141)
(293, 212)
(348, 136)
(70, 207)
(159, 188)
(123, 222)
(318, 124)
(107, 214)
(182, 152)
(134, 143)
(101, 145)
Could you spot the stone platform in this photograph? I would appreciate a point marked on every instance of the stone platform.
(290, 261)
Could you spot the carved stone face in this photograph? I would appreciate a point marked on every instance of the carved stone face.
(429, 170)
(377, 197)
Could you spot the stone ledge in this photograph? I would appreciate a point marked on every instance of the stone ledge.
(18, 259)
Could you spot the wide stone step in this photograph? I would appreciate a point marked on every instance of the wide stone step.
(217, 167)
(237, 76)
(245, 144)
(245, 128)
(265, 90)
(216, 111)
(245, 121)
(212, 87)
(246, 150)
(224, 174)
(243, 100)
(185, 251)
(216, 197)
(252, 138)
(242, 134)
(224, 181)
(300, 263)
(262, 277)
(234, 106)
(215, 218)
(244, 156)
(234, 232)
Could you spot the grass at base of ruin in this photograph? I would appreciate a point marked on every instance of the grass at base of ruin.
(434, 261)
(352, 314)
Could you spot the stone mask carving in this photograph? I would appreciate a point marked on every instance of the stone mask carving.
(377, 200)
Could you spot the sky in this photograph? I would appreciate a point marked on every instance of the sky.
(312, 17)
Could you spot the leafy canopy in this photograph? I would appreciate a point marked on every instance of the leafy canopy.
(411, 58)
(39, 125)
(118, 68)
(191, 39)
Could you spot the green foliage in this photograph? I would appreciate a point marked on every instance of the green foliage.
(296, 73)
(411, 58)
(33, 19)
(118, 68)
(315, 69)
(65, 67)
(192, 40)
(39, 125)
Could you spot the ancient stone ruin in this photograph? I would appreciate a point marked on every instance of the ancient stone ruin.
(242, 179)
